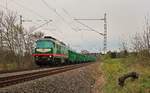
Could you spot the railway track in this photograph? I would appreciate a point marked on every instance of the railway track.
(18, 70)
(15, 79)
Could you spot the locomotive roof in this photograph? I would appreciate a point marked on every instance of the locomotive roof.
(50, 37)
(54, 40)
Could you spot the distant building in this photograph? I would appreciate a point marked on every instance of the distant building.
(95, 54)
(84, 52)
(88, 53)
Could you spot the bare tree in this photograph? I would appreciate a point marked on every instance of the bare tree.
(30, 40)
(137, 43)
(1, 29)
(141, 41)
(17, 43)
(146, 35)
(124, 48)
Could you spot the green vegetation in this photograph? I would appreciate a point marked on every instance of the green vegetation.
(116, 67)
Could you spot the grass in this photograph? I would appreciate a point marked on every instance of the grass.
(11, 66)
(114, 68)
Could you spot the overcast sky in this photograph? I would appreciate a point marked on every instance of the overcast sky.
(125, 17)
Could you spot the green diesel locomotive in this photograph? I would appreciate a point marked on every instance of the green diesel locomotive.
(49, 51)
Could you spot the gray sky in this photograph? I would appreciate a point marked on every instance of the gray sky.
(125, 17)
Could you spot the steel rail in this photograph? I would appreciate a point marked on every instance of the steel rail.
(15, 79)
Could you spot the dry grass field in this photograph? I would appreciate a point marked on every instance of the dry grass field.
(114, 68)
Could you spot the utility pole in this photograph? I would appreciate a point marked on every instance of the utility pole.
(20, 20)
(21, 23)
(103, 34)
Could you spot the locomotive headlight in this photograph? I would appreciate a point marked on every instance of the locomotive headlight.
(50, 56)
(36, 57)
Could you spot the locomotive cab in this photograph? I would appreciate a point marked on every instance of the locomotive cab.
(49, 51)
(43, 52)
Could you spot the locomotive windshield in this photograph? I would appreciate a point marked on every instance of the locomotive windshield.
(44, 44)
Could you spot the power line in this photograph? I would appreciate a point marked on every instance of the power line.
(89, 27)
(54, 10)
(42, 25)
(87, 19)
(21, 21)
(69, 16)
(77, 20)
(105, 27)
(28, 9)
(105, 30)
(33, 12)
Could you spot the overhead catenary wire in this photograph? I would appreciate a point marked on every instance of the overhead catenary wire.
(28, 9)
(55, 11)
(91, 29)
(69, 16)
(41, 25)
(78, 22)
(103, 34)
(33, 12)
(28, 20)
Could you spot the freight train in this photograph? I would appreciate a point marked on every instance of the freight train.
(49, 50)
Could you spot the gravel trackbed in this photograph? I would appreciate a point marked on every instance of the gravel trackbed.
(80, 80)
